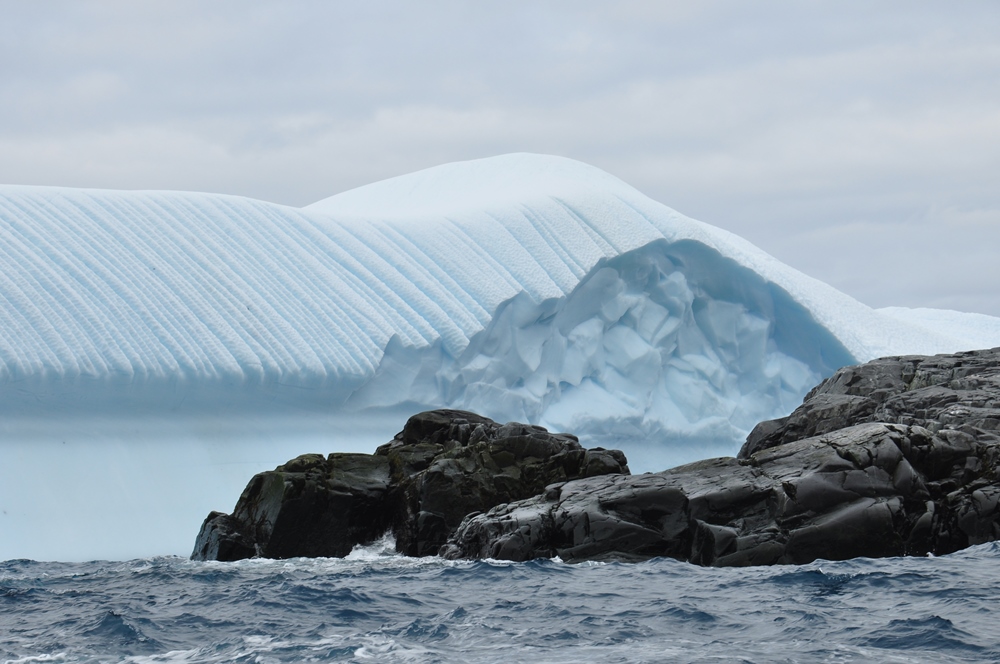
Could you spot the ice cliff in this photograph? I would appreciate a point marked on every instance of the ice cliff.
(157, 348)
(524, 287)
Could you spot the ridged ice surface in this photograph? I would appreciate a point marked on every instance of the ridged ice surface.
(479, 284)
(157, 349)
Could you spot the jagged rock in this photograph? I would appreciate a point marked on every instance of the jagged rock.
(959, 391)
(310, 506)
(899, 456)
(222, 538)
(444, 465)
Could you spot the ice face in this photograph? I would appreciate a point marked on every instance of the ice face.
(144, 300)
(669, 344)
(168, 338)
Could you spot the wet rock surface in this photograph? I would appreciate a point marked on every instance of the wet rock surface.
(898, 456)
(444, 465)
(939, 392)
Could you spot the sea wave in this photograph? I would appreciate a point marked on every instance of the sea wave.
(376, 605)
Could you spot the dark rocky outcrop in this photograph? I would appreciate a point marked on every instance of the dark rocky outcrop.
(895, 457)
(443, 466)
(900, 456)
(940, 392)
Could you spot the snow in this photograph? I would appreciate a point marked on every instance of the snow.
(523, 287)
(976, 330)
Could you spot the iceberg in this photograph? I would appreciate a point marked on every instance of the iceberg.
(148, 332)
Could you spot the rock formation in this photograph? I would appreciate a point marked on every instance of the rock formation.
(898, 456)
(443, 466)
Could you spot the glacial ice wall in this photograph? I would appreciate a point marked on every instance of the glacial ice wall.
(158, 348)
(670, 342)
(522, 286)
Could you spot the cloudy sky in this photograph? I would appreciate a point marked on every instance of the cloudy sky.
(856, 141)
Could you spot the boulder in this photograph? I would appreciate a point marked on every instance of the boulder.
(895, 457)
(444, 465)
(310, 506)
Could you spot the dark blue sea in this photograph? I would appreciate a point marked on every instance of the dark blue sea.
(376, 606)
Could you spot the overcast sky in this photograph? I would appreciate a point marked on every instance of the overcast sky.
(856, 141)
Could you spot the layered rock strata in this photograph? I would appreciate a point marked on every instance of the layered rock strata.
(443, 466)
(895, 457)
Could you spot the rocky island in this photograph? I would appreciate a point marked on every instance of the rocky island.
(898, 456)
(443, 465)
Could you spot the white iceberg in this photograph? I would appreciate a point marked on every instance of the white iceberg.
(523, 287)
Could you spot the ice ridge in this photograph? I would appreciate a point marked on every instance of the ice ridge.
(158, 348)
(524, 286)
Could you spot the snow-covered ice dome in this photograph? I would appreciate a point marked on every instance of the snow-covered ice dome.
(524, 287)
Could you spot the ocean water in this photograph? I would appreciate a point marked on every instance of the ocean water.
(381, 607)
